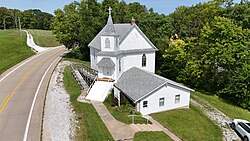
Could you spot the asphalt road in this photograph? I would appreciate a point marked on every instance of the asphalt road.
(22, 94)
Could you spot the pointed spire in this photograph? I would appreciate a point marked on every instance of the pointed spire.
(110, 29)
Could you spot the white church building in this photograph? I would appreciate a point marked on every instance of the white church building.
(125, 58)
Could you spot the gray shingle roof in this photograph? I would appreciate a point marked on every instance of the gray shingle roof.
(106, 62)
(137, 83)
(109, 28)
(120, 30)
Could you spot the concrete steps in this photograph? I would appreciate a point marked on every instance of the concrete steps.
(145, 127)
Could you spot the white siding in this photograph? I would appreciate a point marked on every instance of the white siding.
(135, 41)
(135, 60)
(112, 43)
(101, 74)
(168, 93)
(93, 58)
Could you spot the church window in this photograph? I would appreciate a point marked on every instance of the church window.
(107, 43)
(144, 60)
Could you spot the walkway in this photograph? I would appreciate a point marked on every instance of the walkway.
(118, 130)
(30, 42)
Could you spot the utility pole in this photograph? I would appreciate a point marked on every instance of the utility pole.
(20, 26)
(15, 22)
(4, 26)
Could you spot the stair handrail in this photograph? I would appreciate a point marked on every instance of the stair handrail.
(92, 84)
(133, 118)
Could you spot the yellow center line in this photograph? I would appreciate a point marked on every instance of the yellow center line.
(8, 97)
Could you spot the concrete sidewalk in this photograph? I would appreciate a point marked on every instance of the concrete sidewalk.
(118, 130)
(30, 42)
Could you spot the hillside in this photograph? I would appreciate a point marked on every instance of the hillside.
(44, 38)
(13, 49)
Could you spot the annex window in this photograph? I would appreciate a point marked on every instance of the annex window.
(145, 104)
(120, 65)
(107, 43)
(161, 102)
(177, 98)
(144, 60)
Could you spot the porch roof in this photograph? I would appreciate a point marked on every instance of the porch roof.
(106, 62)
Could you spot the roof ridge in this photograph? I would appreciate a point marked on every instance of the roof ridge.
(165, 79)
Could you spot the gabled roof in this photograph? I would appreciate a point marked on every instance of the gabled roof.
(106, 62)
(143, 35)
(120, 30)
(136, 83)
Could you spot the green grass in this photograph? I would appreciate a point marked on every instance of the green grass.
(91, 126)
(190, 124)
(122, 113)
(151, 136)
(44, 38)
(77, 61)
(228, 109)
(13, 49)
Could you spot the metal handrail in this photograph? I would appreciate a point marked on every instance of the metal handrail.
(133, 118)
(92, 84)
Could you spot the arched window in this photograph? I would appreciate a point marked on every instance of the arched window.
(107, 43)
(144, 60)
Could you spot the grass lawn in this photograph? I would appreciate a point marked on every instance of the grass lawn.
(190, 124)
(230, 110)
(151, 136)
(91, 126)
(122, 113)
(78, 62)
(13, 49)
(44, 38)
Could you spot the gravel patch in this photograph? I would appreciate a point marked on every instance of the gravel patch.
(58, 123)
(219, 118)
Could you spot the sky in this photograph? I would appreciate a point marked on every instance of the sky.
(160, 6)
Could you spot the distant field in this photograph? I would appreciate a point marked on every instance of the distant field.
(190, 124)
(13, 49)
(228, 109)
(44, 38)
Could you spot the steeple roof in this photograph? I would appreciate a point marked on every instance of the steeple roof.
(109, 28)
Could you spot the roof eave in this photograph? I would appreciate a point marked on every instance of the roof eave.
(184, 87)
(124, 93)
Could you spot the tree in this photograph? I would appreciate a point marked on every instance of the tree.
(237, 91)
(217, 54)
(65, 24)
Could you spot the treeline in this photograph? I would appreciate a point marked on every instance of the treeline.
(29, 19)
(204, 46)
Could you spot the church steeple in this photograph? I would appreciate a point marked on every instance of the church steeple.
(110, 29)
